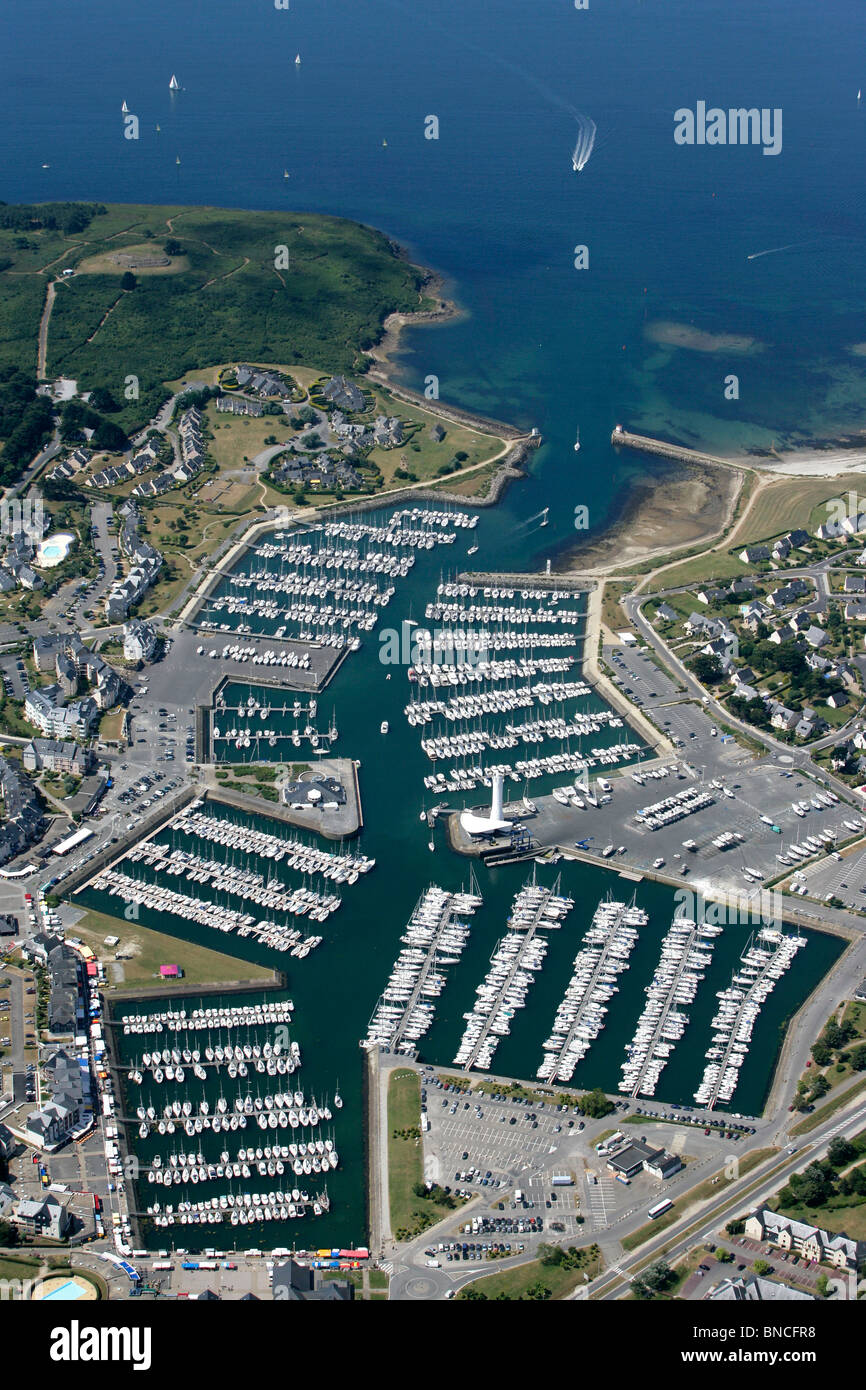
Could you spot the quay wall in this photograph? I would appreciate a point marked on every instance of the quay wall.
(556, 583)
(111, 853)
(510, 468)
(454, 413)
(644, 443)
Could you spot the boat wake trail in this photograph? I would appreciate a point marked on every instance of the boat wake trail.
(586, 126)
(774, 250)
(587, 131)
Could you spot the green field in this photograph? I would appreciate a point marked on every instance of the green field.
(824, 1112)
(234, 301)
(409, 1213)
(153, 949)
(528, 1280)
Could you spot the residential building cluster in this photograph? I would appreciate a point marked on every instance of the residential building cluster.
(386, 431)
(789, 614)
(239, 405)
(68, 467)
(264, 382)
(66, 655)
(146, 563)
(343, 394)
(321, 471)
(70, 1109)
(20, 542)
(23, 821)
(56, 755)
(192, 457)
(149, 456)
(139, 640)
(811, 1242)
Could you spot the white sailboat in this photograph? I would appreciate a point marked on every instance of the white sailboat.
(577, 441)
(383, 727)
(297, 60)
(174, 85)
(124, 108)
(544, 520)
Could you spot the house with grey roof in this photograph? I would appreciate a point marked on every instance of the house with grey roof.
(806, 1240)
(756, 1289)
(343, 393)
(44, 1217)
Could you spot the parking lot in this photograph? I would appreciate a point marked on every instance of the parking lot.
(493, 1147)
(843, 878)
(752, 801)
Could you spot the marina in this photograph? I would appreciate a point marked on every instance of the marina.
(608, 944)
(228, 857)
(686, 951)
(434, 938)
(225, 868)
(504, 989)
(224, 1069)
(270, 727)
(767, 957)
(326, 584)
(498, 705)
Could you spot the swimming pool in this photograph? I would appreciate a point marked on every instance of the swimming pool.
(54, 549)
(67, 1292)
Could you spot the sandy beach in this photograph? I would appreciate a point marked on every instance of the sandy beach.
(682, 508)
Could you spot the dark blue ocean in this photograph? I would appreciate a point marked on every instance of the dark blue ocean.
(495, 205)
(494, 202)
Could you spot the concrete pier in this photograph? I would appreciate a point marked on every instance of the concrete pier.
(645, 444)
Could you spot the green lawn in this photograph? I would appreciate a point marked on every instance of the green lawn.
(825, 1111)
(409, 1213)
(514, 1283)
(200, 965)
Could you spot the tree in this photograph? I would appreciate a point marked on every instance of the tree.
(595, 1104)
(110, 437)
(551, 1254)
(812, 1187)
(173, 247)
(762, 1267)
(708, 669)
(820, 1087)
(658, 1276)
(840, 1152)
(128, 281)
(101, 399)
(822, 1286)
(538, 1293)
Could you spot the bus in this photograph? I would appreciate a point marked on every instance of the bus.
(659, 1208)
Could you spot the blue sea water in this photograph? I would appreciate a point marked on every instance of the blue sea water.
(494, 202)
(495, 205)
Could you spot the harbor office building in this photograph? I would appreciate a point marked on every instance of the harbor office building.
(638, 1157)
